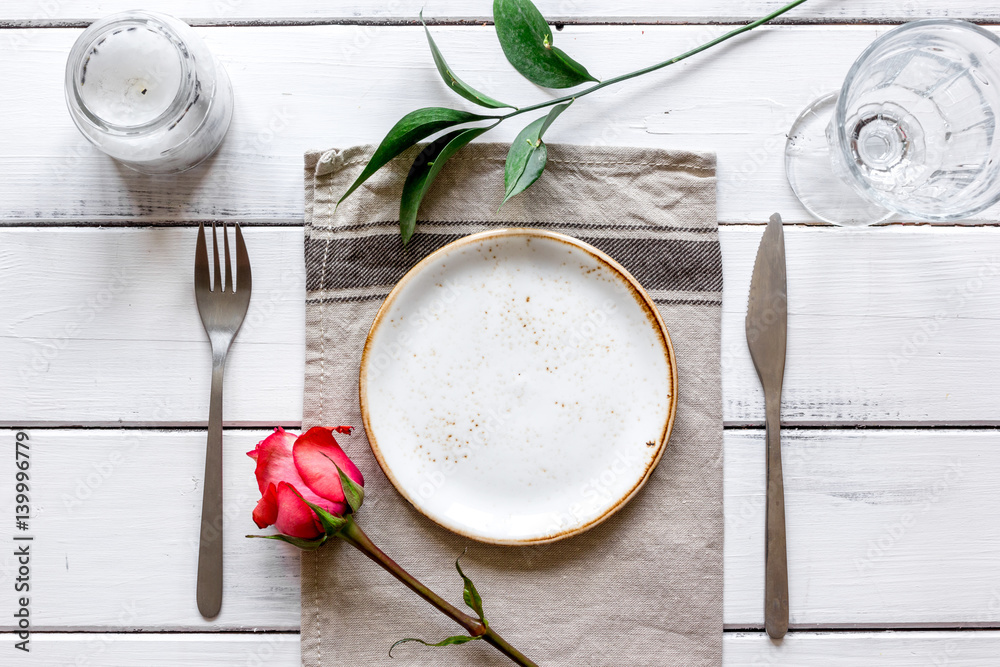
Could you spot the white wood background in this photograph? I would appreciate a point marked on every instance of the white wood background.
(894, 544)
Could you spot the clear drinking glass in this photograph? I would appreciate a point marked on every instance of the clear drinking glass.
(912, 132)
(144, 88)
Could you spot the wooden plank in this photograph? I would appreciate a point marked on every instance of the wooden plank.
(743, 649)
(116, 518)
(888, 325)
(850, 649)
(116, 546)
(103, 327)
(320, 86)
(885, 527)
(158, 650)
(39, 12)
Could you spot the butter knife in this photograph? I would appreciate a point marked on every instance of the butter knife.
(766, 326)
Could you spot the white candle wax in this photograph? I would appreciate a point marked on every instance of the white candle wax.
(131, 76)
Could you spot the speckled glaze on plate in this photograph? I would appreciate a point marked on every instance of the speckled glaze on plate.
(518, 386)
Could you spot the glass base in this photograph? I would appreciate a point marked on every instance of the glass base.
(810, 171)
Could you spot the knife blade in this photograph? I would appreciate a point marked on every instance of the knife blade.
(766, 329)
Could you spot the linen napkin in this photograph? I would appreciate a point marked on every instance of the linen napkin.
(644, 587)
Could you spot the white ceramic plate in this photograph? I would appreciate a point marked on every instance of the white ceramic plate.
(518, 386)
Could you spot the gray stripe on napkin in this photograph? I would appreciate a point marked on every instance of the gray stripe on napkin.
(350, 261)
(645, 587)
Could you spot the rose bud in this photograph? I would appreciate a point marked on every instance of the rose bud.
(294, 472)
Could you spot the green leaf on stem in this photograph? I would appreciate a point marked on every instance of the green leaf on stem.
(353, 492)
(332, 524)
(425, 169)
(305, 545)
(411, 128)
(470, 594)
(447, 641)
(525, 161)
(526, 39)
(456, 84)
(552, 115)
(528, 154)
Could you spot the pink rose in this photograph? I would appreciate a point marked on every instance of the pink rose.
(293, 468)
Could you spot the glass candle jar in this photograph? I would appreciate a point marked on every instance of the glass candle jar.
(144, 88)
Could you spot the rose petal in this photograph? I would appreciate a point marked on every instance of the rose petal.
(275, 465)
(266, 512)
(294, 516)
(273, 455)
(315, 453)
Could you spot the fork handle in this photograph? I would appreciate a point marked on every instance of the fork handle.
(210, 548)
(775, 562)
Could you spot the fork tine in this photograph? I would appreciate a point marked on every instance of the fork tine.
(218, 273)
(201, 277)
(229, 264)
(243, 276)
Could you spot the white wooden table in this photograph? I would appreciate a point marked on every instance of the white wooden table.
(892, 457)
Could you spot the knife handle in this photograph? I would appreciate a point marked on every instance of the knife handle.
(775, 562)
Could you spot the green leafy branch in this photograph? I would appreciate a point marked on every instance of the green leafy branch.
(527, 42)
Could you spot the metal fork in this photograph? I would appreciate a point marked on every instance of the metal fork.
(222, 310)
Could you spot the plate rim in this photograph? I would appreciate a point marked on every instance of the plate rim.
(645, 301)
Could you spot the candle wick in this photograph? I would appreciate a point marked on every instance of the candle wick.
(143, 91)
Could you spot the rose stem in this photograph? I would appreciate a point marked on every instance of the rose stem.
(353, 535)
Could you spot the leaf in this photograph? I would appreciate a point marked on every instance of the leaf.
(528, 154)
(425, 169)
(470, 594)
(411, 128)
(354, 493)
(552, 115)
(447, 641)
(305, 545)
(331, 522)
(527, 42)
(525, 162)
(456, 84)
